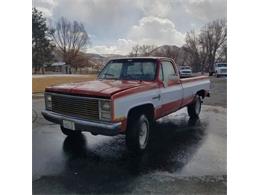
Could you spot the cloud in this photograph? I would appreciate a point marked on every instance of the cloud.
(121, 46)
(158, 8)
(108, 20)
(103, 49)
(116, 25)
(157, 31)
(46, 6)
(185, 14)
(149, 30)
(206, 10)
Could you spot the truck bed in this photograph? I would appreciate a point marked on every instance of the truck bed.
(193, 78)
(194, 84)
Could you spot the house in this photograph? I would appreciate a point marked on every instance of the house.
(60, 67)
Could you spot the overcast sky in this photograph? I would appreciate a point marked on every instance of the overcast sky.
(114, 26)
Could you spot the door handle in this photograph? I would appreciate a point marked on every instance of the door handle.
(157, 97)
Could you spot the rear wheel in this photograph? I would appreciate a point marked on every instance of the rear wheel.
(138, 133)
(69, 132)
(195, 107)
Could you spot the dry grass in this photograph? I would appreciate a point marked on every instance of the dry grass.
(40, 83)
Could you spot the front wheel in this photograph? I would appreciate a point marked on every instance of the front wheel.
(138, 134)
(195, 107)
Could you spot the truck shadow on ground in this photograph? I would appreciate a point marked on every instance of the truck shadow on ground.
(111, 168)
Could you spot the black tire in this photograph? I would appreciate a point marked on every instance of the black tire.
(69, 132)
(138, 133)
(195, 107)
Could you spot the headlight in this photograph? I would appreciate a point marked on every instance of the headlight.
(105, 105)
(48, 102)
(105, 110)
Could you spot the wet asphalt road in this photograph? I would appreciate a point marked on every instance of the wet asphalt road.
(185, 157)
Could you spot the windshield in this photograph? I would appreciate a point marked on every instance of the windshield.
(221, 65)
(129, 69)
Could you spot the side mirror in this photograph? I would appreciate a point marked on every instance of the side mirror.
(165, 83)
(171, 77)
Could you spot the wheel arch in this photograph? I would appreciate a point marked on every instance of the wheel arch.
(147, 109)
(202, 93)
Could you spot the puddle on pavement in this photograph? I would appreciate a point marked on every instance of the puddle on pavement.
(175, 143)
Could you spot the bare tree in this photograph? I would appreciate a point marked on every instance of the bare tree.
(213, 36)
(70, 38)
(145, 50)
(169, 51)
(141, 50)
(207, 45)
(135, 51)
(196, 51)
(222, 54)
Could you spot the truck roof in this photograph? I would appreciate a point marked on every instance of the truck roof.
(145, 57)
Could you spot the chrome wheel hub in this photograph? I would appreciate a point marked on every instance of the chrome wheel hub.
(143, 133)
(197, 106)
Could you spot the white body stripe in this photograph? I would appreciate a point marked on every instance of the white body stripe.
(171, 94)
(191, 88)
(122, 105)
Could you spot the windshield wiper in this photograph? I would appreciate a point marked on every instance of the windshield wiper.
(108, 74)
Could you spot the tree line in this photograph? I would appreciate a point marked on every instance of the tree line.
(68, 38)
(200, 51)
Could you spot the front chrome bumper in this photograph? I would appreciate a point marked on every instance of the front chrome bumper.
(83, 125)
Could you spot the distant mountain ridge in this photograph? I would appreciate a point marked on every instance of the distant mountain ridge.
(172, 51)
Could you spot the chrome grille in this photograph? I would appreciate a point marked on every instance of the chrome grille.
(82, 107)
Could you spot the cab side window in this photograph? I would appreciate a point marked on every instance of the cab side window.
(167, 69)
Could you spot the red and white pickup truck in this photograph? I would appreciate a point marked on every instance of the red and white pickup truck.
(128, 95)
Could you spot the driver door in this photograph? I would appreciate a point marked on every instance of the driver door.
(171, 88)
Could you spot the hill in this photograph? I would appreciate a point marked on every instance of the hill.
(98, 60)
(177, 53)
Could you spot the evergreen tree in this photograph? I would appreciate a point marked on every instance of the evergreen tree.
(41, 42)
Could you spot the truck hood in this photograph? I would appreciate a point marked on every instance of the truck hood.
(103, 88)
